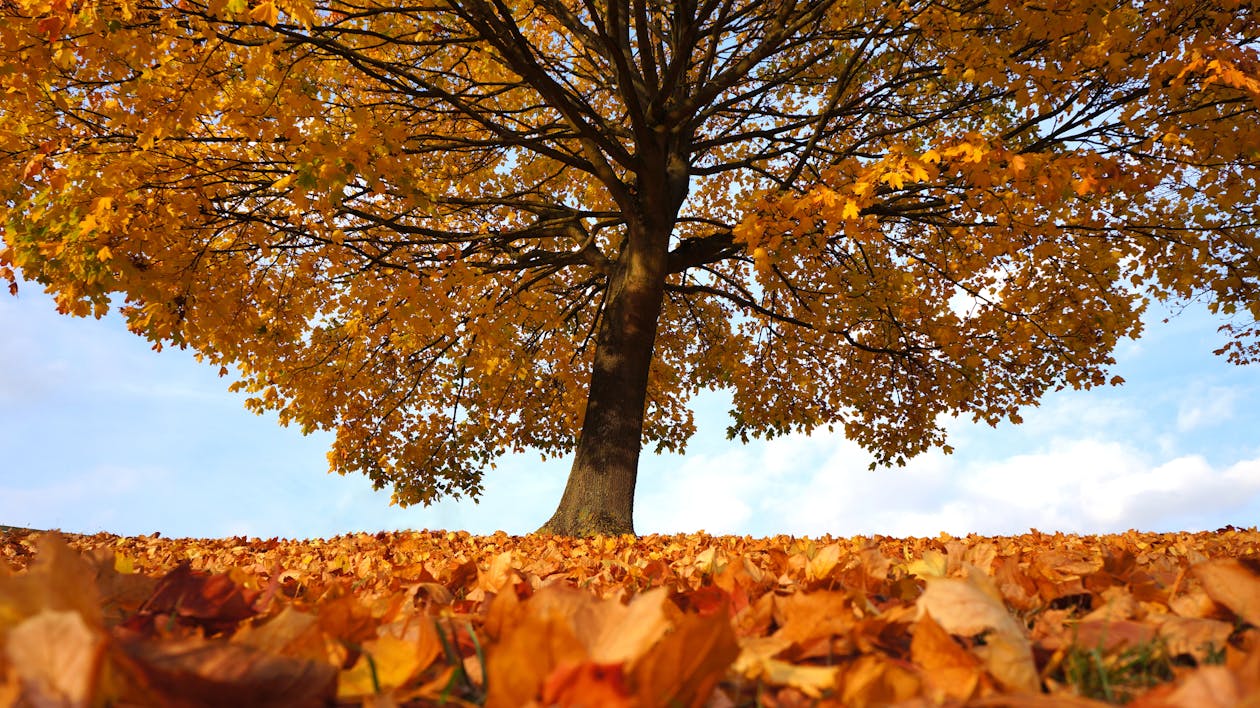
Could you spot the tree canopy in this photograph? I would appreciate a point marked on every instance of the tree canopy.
(455, 228)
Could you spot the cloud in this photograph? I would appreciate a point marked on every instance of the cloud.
(698, 492)
(1212, 406)
(1083, 486)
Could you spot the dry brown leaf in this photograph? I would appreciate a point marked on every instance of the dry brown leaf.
(686, 664)
(586, 685)
(966, 607)
(528, 652)
(1196, 637)
(1233, 583)
(290, 632)
(953, 671)
(1206, 687)
(187, 672)
(806, 616)
(872, 680)
(59, 579)
(659, 610)
(56, 657)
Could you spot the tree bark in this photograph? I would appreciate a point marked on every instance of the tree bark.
(599, 496)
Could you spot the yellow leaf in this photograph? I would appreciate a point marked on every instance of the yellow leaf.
(931, 565)
(823, 562)
(149, 136)
(386, 663)
(266, 12)
(124, 564)
(896, 180)
(810, 680)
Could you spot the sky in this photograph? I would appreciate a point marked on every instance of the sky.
(100, 433)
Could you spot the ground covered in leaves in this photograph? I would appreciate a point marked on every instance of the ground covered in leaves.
(437, 618)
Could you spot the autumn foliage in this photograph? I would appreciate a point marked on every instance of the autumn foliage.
(436, 618)
(456, 229)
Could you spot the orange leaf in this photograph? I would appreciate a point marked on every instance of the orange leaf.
(586, 684)
(684, 667)
(531, 647)
(57, 658)
(872, 680)
(953, 670)
(59, 579)
(1233, 583)
(51, 27)
(33, 167)
(971, 606)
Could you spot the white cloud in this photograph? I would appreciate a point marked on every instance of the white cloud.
(703, 493)
(1073, 485)
(1207, 406)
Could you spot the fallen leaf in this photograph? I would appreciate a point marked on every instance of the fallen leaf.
(803, 617)
(951, 669)
(386, 663)
(824, 561)
(213, 602)
(586, 685)
(56, 657)
(59, 579)
(685, 665)
(1233, 583)
(1193, 636)
(200, 672)
(619, 633)
(1206, 687)
(810, 680)
(931, 565)
(291, 632)
(971, 606)
(872, 680)
(529, 650)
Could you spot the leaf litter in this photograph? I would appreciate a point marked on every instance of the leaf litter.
(443, 618)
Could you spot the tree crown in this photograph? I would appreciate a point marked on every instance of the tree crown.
(401, 223)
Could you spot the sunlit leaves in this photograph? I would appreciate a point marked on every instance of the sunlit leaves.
(432, 617)
(401, 224)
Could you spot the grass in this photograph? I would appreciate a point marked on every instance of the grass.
(1121, 675)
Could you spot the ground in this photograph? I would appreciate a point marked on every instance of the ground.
(434, 617)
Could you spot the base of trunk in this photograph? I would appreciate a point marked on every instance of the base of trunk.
(584, 523)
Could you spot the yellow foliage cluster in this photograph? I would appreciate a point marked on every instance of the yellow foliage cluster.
(415, 226)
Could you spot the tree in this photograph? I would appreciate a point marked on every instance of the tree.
(456, 228)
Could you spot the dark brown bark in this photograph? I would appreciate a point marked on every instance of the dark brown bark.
(599, 496)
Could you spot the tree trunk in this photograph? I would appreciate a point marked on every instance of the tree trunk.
(599, 496)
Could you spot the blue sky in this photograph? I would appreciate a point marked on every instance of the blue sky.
(98, 432)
